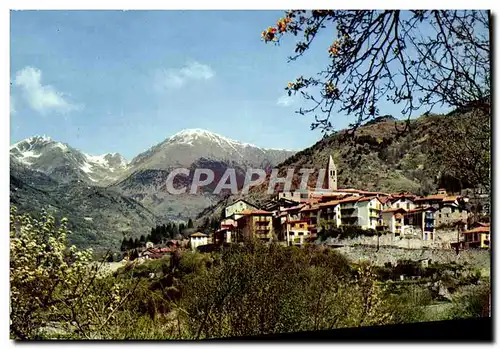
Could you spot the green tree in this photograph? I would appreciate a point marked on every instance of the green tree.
(381, 55)
(190, 224)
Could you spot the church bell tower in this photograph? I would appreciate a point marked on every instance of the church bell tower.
(332, 175)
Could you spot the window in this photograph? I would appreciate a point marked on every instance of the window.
(301, 225)
(408, 206)
(300, 234)
(397, 205)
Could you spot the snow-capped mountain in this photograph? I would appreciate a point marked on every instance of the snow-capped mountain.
(191, 149)
(64, 163)
(143, 179)
(186, 147)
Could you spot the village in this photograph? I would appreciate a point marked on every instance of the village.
(297, 218)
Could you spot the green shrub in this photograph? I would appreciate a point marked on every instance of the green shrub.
(259, 289)
(471, 301)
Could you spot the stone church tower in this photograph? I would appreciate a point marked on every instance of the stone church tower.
(332, 175)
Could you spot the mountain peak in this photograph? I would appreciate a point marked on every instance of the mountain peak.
(191, 134)
(41, 140)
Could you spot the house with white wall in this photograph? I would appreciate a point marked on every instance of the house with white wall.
(198, 239)
(369, 209)
(390, 222)
(234, 210)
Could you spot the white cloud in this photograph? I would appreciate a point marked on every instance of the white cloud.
(190, 72)
(285, 101)
(42, 98)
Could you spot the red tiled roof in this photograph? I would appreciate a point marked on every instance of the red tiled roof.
(350, 199)
(450, 198)
(367, 198)
(431, 197)
(384, 199)
(311, 208)
(396, 198)
(393, 210)
(330, 203)
(255, 212)
(478, 230)
(421, 209)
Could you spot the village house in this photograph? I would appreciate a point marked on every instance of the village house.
(197, 239)
(296, 196)
(355, 210)
(226, 231)
(478, 237)
(297, 232)
(400, 201)
(420, 222)
(234, 210)
(310, 213)
(329, 213)
(369, 209)
(450, 214)
(255, 224)
(155, 252)
(392, 220)
(291, 227)
(297, 216)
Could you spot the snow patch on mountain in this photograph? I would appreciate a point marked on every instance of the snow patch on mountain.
(26, 156)
(188, 136)
(44, 154)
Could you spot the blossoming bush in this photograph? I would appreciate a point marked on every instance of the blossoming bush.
(54, 287)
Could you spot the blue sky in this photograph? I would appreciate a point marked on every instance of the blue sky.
(122, 81)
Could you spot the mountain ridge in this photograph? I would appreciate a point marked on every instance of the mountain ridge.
(42, 165)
